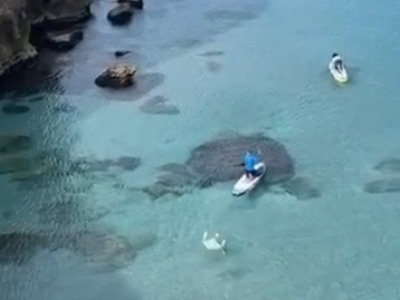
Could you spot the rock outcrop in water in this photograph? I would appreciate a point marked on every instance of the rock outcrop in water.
(26, 21)
(118, 76)
(219, 161)
(14, 35)
(106, 250)
(121, 14)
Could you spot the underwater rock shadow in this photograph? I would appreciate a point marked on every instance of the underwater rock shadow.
(22, 246)
(388, 166)
(383, 186)
(18, 248)
(106, 250)
(218, 161)
(159, 105)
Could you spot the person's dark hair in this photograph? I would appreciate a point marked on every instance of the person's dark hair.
(334, 55)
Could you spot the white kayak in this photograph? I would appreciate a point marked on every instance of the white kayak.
(339, 75)
(213, 243)
(244, 184)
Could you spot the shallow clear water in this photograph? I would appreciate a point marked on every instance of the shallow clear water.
(343, 245)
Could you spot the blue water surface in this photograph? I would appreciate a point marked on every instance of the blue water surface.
(272, 78)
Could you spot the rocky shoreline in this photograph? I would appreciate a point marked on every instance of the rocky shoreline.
(25, 23)
(30, 25)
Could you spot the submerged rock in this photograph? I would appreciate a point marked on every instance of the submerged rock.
(213, 66)
(18, 247)
(128, 163)
(220, 160)
(108, 250)
(380, 186)
(301, 188)
(212, 53)
(14, 143)
(121, 14)
(92, 165)
(391, 165)
(175, 180)
(15, 109)
(14, 163)
(158, 105)
(121, 53)
(175, 168)
(118, 76)
(159, 190)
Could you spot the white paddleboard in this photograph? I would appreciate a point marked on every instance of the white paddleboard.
(340, 76)
(244, 184)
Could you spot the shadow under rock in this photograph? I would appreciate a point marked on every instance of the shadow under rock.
(70, 279)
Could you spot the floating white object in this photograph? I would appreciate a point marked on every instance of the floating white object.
(213, 243)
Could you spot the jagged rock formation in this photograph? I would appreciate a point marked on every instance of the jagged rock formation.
(20, 19)
(14, 34)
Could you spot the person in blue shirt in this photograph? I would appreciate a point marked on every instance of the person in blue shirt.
(250, 162)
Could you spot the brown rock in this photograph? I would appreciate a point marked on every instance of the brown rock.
(118, 76)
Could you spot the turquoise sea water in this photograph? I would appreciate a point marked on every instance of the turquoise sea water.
(273, 79)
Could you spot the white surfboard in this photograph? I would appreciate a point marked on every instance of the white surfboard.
(244, 184)
(340, 76)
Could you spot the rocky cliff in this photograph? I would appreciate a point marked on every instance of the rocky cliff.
(18, 17)
(14, 34)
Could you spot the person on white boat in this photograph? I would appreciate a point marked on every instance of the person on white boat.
(251, 159)
(337, 62)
